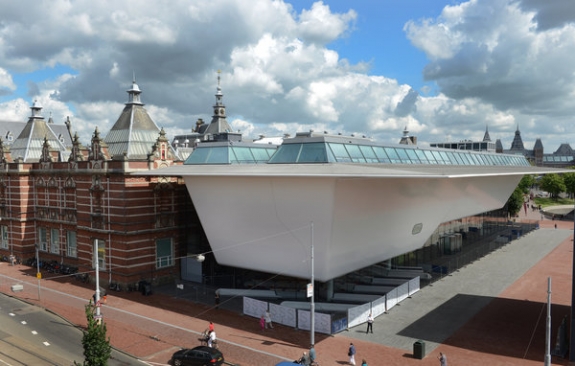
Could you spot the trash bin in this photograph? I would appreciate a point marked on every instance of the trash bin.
(419, 349)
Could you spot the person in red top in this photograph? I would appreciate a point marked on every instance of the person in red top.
(211, 327)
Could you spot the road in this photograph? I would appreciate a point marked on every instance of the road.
(31, 335)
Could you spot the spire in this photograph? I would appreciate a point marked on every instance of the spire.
(517, 144)
(486, 137)
(219, 123)
(134, 93)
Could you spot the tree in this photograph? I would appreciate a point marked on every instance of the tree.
(526, 183)
(553, 184)
(97, 349)
(515, 202)
(569, 179)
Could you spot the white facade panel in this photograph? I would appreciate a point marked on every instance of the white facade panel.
(264, 222)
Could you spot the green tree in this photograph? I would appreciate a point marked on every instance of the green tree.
(526, 183)
(515, 202)
(553, 184)
(569, 179)
(97, 349)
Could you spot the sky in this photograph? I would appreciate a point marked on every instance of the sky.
(445, 70)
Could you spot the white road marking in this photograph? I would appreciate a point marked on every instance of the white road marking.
(46, 343)
(34, 332)
(23, 322)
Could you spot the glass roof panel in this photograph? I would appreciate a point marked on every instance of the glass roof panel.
(313, 153)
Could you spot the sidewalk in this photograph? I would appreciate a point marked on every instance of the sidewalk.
(507, 328)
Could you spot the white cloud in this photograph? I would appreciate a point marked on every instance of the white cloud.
(6, 82)
(496, 63)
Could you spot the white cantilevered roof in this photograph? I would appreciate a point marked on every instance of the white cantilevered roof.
(259, 216)
(351, 170)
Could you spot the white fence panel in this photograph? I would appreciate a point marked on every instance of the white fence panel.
(255, 308)
(322, 321)
(358, 315)
(391, 298)
(414, 285)
(283, 315)
(402, 292)
(378, 306)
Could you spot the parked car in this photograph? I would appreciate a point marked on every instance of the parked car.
(198, 356)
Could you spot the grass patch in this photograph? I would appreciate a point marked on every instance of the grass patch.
(546, 201)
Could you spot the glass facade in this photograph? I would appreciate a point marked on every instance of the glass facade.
(230, 155)
(331, 152)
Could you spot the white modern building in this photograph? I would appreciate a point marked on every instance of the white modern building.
(357, 202)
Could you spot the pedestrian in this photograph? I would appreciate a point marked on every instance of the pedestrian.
(212, 338)
(369, 324)
(351, 354)
(268, 319)
(363, 362)
(312, 355)
(442, 359)
(262, 322)
(217, 299)
(304, 360)
(211, 327)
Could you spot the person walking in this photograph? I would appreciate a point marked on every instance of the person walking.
(262, 323)
(268, 319)
(351, 354)
(442, 359)
(312, 355)
(369, 324)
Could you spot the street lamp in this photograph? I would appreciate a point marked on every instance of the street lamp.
(312, 304)
(98, 315)
(38, 274)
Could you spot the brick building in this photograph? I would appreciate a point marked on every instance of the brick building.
(71, 201)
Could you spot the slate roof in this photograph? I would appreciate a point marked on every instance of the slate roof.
(28, 145)
(134, 133)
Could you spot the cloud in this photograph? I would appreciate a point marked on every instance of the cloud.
(494, 53)
(496, 63)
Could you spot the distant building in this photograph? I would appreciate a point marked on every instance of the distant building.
(563, 157)
(485, 145)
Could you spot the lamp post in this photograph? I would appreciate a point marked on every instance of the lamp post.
(572, 337)
(38, 274)
(312, 305)
(97, 298)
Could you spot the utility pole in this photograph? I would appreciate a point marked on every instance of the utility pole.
(548, 326)
(312, 306)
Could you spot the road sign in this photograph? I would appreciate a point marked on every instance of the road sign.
(309, 289)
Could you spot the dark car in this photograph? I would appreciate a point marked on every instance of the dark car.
(198, 356)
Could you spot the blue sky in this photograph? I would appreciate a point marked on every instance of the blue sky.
(445, 70)
(378, 36)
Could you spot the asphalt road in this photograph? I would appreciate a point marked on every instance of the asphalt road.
(33, 336)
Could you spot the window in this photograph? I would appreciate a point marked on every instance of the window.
(54, 241)
(100, 247)
(164, 253)
(313, 153)
(4, 237)
(72, 249)
(43, 241)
